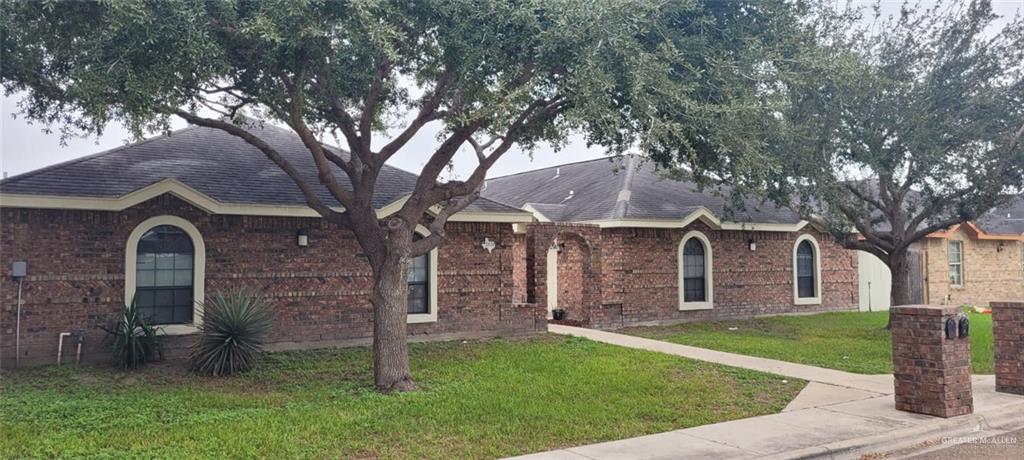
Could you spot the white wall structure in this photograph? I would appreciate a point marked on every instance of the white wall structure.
(875, 282)
(552, 279)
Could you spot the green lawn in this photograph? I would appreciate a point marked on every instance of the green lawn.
(850, 341)
(478, 400)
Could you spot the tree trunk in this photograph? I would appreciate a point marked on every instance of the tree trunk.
(902, 291)
(391, 370)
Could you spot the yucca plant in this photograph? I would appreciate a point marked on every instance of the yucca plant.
(132, 340)
(231, 336)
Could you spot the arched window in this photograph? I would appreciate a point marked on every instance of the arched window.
(422, 280)
(806, 271)
(165, 263)
(695, 272)
(163, 275)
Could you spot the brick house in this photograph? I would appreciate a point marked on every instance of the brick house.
(979, 262)
(171, 219)
(617, 244)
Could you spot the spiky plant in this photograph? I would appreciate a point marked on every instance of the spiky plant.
(231, 336)
(132, 340)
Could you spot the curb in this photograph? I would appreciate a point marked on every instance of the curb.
(1006, 418)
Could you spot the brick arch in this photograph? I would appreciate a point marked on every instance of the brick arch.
(579, 266)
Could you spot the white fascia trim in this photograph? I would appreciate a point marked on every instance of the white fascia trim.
(816, 300)
(207, 204)
(536, 214)
(198, 268)
(703, 215)
(497, 217)
(709, 278)
(431, 315)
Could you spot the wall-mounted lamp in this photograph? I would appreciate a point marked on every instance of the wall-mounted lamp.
(1000, 247)
(489, 245)
(302, 237)
(752, 244)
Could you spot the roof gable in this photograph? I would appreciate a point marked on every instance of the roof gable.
(207, 167)
(625, 189)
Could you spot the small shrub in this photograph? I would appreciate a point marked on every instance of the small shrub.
(232, 333)
(132, 340)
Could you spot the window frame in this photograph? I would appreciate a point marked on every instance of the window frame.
(709, 283)
(431, 315)
(959, 264)
(816, 249)
(198, 268)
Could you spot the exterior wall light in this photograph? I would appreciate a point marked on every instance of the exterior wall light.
(752, 244)
(303, 237)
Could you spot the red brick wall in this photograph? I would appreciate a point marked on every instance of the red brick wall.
(640, 275)
(932, 372)
(76, 277)
(1008, 333)
(633, 274)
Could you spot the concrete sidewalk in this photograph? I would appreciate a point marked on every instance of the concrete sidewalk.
(838, 415)
(876, 384)
(843, 430)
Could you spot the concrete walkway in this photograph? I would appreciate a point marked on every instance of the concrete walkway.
(868, 427)
(838, 415)
(876, 384)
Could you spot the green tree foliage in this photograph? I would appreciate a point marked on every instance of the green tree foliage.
(492, 73)
(886, 128)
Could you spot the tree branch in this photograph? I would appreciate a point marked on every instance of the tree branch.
(370, 105)
(426, 114)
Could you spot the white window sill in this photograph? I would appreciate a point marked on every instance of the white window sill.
(177, 329)
(422, 318)
(807, 301)
(688, 306)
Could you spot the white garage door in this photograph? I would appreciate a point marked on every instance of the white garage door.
(875, 282)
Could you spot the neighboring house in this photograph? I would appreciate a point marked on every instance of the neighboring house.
(171, 219)
(977, 262)
(619, 245)
(970, 264)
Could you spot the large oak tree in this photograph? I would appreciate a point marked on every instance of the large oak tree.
(886, 128)
(488, 74)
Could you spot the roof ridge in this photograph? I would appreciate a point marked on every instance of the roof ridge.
(622, 198)
(92, 156)
(606, 158)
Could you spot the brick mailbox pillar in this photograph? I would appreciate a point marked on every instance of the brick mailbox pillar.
(932, 371)
(1008, 332)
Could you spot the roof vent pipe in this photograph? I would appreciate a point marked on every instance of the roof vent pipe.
(571, 193)
(558, 172)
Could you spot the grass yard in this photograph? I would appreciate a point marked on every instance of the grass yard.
(478, 400)
(848, 341)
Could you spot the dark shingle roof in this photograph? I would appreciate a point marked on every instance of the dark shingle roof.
(1007, 219)
(621, 188)
(217, 164)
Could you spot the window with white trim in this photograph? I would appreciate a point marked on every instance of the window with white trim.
(805, 271)
(164, 273)
(422, 281)
(956, 262)
(696, 283)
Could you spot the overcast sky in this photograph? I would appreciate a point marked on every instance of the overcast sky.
(25, 147)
